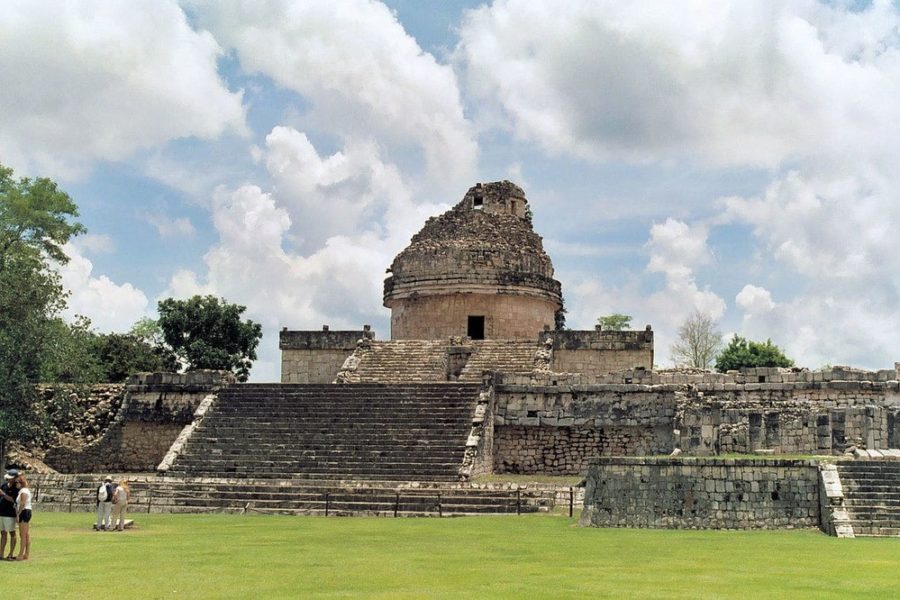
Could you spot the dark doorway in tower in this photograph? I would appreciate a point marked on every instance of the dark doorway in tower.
(476, 328)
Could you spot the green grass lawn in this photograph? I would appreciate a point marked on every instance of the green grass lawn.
(536, 556)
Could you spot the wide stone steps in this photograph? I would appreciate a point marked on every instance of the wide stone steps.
(343, 431)
(277, 468)
(313, 497)
(365, 431)
(872, 496)
(403, 361)
(417, 419)
(499, 355)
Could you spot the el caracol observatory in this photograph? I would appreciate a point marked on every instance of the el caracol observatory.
(478, 270)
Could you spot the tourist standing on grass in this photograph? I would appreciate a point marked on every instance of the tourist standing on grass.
(8, 493)
(120, 504)
(104, 504)
(23, 511)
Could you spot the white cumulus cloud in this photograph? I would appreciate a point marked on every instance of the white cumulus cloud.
(359, 69)
(88, 81)
(754, 300)
(170, 227)
(724, 82)
(318, 275)
(109, 306)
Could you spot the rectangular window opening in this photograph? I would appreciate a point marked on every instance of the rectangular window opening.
(478, 203)
(476, 328)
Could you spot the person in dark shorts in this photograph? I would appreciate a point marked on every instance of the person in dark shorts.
(23, 511)
(8, 493)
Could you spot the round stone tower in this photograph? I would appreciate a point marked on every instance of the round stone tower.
(478, 270)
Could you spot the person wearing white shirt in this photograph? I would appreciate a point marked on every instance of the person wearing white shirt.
(23, 516)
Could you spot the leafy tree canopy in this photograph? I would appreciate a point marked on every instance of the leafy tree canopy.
(614, 322)
(148, 330)
(740, 353)
(559, 319)
(34, 219)
(206, 332)
(35, 223)
(69, 355)
(122, 354)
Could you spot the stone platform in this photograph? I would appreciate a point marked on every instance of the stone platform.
(329, 497)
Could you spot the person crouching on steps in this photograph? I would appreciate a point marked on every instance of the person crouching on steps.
(23, 511)
(104, 505)
(8, 493)
(120, 505)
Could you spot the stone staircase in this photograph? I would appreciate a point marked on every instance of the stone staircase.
(871, 496)
(508, 356)
(403, 361)
(408, 432)
(164, 494)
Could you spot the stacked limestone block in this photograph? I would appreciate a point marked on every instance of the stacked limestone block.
(702, 493)
(642, 413)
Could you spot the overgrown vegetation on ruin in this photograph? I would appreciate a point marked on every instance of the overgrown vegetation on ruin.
(226, 556)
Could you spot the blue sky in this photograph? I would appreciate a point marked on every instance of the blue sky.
(732, 158)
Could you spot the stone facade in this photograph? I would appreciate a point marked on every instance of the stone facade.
(601, 352)
(702, 493)
(478, 270)
(439, 316)
(79, 415)
(316, 356)
(352, 357)
(155, 409)
(567, 450)
(554, 423)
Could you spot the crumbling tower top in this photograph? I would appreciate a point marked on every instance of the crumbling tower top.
(498, 198)
(479, 270)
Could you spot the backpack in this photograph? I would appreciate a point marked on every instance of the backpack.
(102, 493)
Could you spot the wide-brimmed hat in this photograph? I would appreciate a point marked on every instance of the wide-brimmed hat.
(11, 474)
(107, 478)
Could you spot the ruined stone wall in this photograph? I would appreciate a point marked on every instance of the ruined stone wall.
(752, 421)
(558, 428)
(701, 493)
(893, 419)
(601, 352)
(78, 414)
(311, 366)
(316, 356)
(553, 423)
(155, 409)
(567, 450)
(509, 316)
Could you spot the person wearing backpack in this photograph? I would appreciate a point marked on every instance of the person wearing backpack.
(104, 505)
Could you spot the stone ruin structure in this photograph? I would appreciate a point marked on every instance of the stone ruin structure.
(479, 270)
(475, 379)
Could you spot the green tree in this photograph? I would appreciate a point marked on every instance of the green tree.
(148, 330)
(559, 319)
(614, 322)
(69, 353)
(120, 355)
(698, 342)
(740, 353)
(36, 221)
(206, 332)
